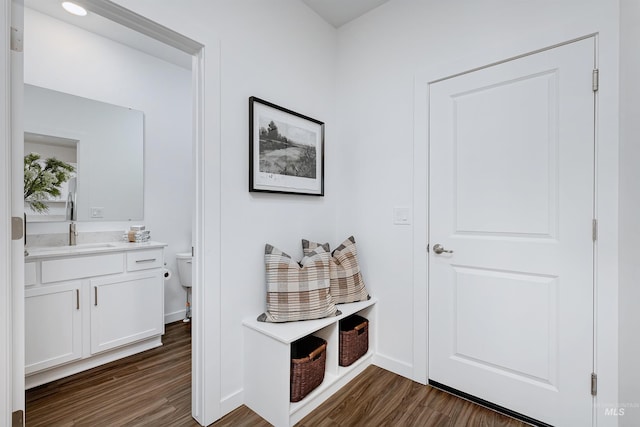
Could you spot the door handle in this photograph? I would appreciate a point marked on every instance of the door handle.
(439, 249)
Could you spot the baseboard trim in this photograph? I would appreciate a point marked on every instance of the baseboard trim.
(173, 317)
(393, 365)
(489, 405)
(231, 402)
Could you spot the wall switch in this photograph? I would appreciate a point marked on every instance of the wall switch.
(401, 216)
(97, 212)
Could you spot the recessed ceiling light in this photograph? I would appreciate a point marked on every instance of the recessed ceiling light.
(74, 9)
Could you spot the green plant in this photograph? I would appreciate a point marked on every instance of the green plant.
(43, 179)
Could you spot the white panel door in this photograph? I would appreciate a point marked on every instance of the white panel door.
(125, 309)
(511, 194)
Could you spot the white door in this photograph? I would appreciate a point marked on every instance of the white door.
(17, 208)
(511, 194)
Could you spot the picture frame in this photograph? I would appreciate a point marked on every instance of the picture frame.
(286, 150)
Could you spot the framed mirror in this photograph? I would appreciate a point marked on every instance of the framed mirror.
(105, 144)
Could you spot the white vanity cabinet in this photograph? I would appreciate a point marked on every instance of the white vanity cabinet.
(86, 306)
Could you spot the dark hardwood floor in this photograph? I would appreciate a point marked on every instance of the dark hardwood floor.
(154, 389)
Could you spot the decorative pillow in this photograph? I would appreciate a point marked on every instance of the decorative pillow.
(297, 291)
(347, 284)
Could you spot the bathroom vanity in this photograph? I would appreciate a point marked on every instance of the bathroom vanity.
(90, 304)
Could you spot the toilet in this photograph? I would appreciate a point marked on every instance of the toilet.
(184, 276)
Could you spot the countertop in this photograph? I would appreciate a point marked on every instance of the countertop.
(88, 248)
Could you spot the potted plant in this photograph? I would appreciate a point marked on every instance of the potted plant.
(43, 180)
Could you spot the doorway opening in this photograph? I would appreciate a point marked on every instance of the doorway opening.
(182, 55)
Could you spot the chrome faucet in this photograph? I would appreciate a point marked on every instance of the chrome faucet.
(73, 234)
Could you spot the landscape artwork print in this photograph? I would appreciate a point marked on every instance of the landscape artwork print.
(285, 150)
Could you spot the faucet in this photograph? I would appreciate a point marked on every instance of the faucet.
(73, 234)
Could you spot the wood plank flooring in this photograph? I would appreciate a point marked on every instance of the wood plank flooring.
(148, 389)
(380, 398)
(154, 389)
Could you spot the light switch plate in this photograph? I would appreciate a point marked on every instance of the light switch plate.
(402, 216)
(97, 212)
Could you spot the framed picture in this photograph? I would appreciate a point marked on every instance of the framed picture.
(286, 150)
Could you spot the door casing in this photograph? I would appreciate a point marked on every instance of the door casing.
(606, 211)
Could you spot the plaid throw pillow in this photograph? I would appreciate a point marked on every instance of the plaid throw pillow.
(297, 291)
(347, 284)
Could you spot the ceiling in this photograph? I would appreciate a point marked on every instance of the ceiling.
(339, 12)
(111, 30)
(335, 12)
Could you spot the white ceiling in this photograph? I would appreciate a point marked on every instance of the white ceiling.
(339, 12)
(335, 12)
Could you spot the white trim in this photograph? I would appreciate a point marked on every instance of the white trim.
(141, 24)
(174, 317)
(206, 306)
(420, 233)
(606, 210)
(6, 347)
(232, 401)
(606, 288)
(393, 365)
(17, 210)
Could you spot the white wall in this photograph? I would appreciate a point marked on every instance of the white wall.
(68, 59)
(284, 53)
(629, 212)
(385, 60)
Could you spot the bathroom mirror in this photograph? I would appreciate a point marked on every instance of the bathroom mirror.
(104, 142)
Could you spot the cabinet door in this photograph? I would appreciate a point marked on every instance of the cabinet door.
(53, 326)
(125, 309)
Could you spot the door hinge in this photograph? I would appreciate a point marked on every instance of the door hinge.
(594, 384)
(595, 80)
(17, 38)
(427, 248)
(17, 228)
(594, 230)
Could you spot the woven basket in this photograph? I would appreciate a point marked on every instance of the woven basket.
(354, 339)
(308, 359)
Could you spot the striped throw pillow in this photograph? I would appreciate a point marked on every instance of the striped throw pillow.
(347, 284)
(297, 291)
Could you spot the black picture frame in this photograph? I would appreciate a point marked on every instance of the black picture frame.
(286, 150)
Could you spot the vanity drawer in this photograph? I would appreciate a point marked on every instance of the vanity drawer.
(144, 260)
(57, 270)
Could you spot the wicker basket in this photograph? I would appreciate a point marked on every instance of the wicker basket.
(308, 359)
(354, 339)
